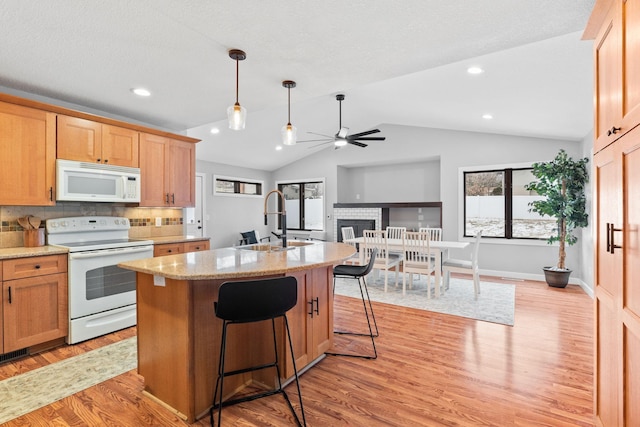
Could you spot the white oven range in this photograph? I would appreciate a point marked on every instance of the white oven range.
(102, 296)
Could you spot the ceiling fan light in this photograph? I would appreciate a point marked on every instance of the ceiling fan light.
(237, 116)
(289, 134)
(340, 142)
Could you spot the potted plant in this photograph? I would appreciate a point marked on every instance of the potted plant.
(561, 181)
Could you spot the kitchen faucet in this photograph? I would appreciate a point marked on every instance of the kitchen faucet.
(283, 215)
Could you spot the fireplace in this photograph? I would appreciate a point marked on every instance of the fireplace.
(358, 226)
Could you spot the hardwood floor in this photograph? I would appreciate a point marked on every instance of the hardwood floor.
(432, 370)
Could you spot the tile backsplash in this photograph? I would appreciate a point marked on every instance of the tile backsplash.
(143, 220)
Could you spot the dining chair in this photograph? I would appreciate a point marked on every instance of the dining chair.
(464, 266)
(347, 234)
(377, 239)
(396, 233)
(435, 233)
(252, 237)
(417, 257)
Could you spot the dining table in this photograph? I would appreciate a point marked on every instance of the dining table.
(439, 250)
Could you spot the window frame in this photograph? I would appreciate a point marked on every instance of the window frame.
(302, 182)
(529, 241)
(237, 182)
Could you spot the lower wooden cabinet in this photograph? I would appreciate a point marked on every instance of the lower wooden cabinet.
(180, 247)
(34, 301)
(311, 320)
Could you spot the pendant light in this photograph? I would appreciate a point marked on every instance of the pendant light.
(288, 131)
(237, 115)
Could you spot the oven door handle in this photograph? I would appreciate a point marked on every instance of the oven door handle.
(107, 252)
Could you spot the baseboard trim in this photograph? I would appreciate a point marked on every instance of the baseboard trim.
(538, 277)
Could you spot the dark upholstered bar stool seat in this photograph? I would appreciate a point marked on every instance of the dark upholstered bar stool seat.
(359, 272)
(255, 301)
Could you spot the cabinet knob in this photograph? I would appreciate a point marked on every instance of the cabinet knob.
(106, 160)
(37, 266)
(613, 131)
(169, 250)
(99, 160)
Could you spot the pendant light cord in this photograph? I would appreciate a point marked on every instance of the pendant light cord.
(289, 105)
(237, 78)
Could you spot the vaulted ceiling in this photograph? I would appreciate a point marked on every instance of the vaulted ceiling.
(398, 62)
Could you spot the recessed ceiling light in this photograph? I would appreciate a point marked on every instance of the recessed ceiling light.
(215, 131)
(278, 147)
(475, 70)
(141, 91)
(487, 116)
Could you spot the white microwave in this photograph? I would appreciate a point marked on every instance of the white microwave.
(94, 182)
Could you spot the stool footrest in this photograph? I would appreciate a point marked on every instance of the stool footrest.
(358, 334)
(253, 368)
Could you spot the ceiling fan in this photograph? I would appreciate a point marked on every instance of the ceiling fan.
(342, 138)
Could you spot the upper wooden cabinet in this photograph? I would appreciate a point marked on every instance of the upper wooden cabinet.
(28, 155)
(89, 141)
(617, 65)
(167, 167)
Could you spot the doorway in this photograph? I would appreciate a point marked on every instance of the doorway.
(195, 225)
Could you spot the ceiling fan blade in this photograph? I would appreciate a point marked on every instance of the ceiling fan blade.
(368, 138)
(369, 132)
(359, 144)
(318, 145)
(321, 134)
(317, 140)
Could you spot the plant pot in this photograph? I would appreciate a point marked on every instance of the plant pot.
(556, 278)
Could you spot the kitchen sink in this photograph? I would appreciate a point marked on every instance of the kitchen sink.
(266, 247)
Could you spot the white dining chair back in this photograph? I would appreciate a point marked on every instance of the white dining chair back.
(435, 233)
(396, 232)
(348, 234)
(417, 258)
(465, 266)
(386, 260)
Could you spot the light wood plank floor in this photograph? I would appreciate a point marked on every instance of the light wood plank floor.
(432, 370)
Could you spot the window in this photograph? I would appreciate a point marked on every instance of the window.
(304, 204)
(496, 202)
(224, 185)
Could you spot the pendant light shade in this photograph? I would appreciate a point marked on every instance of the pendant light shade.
(237, 114)
(288, 131)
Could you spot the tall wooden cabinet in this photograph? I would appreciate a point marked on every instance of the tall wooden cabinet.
(28, 153)
(88, 141)
(617, 213)
(168, 169)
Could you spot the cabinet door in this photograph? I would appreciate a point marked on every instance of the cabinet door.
(181, 173)
(631, 64)
(28, 153)
(34, 310)
(322, 298)
(119, 146)
(152, 170)
(79, 139)
(300, 326)
(608, 80)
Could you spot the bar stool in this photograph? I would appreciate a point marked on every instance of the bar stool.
(255, 301)
(359, 272)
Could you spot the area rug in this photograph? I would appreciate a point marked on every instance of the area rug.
(496, 302)
(27, 392)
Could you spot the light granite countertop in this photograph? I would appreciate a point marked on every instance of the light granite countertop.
(175, 239)
(228, 263)
(22, 252)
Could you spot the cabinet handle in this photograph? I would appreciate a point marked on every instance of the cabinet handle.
(37, 266)
(173, 198)
(317, 310)
(169, 250)
(9, 294)
(311, 308)
(99, 160)
(51, 194)
(613, 131)
(167, 199)
(106, 160)
(611, 238)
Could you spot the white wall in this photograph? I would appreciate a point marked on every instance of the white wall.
(228, 216)
(406, 146)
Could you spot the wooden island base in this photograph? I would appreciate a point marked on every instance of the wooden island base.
(179, 338)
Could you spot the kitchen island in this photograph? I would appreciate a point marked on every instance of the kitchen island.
(179, 335)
